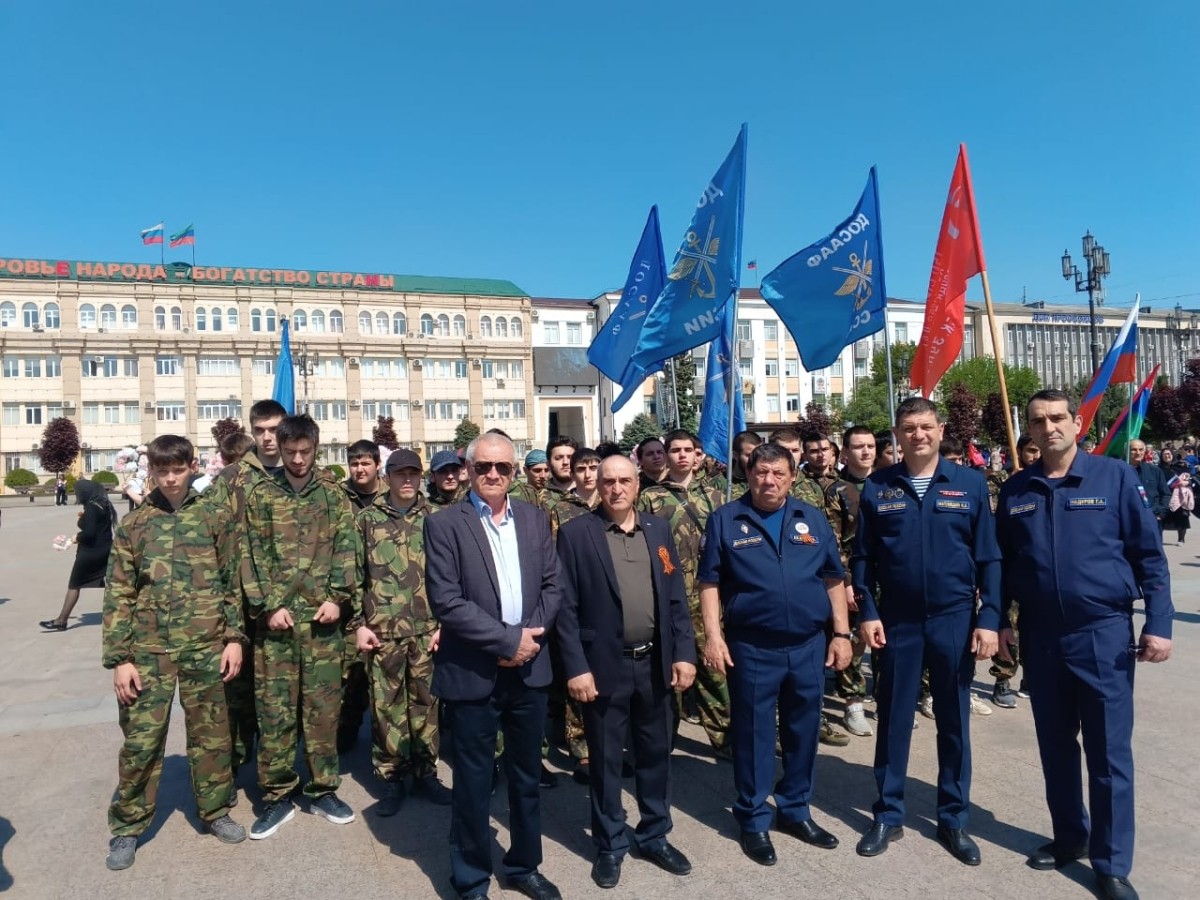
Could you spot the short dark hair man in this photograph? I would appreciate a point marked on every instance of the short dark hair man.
(362, 484)
(559, 452)
(652, 460)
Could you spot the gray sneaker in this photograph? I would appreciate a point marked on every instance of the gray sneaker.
(272, 818)
(1003, 696)
(856, 721)
(333, 809)
(226, 830)
(121, 851)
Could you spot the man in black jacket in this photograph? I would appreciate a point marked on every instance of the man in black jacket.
(1158, 494)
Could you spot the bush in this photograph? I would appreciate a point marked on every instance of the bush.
(106, 478)
(20, 478)
(338, 471)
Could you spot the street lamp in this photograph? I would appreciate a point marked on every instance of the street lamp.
(306, 365)
(1095, 260)
(1182, 328)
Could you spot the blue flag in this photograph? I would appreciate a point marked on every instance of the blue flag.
(831, 294)
(617, 338)
(284, 392)
(714, 418)
(706, 269)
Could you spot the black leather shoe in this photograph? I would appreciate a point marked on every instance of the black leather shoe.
(606, 870)
(668, 859)
(537, 886)
(960, 845)
(809, 832)
(582, 774)
(877, 839)
(757, 845)
(1054, 856)
(547, 779)
(1115, 888)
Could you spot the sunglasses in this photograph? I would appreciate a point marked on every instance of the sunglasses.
(503, 469)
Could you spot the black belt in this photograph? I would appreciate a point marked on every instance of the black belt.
(637, 651)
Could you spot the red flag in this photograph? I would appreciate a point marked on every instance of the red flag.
(958, 258)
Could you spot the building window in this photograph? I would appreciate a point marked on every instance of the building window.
(515, 328)
(516, 369)
(501, 327)
(256, 320)
(443, 326)
(160, 318)
(574, 333)
(271, 319)
(31, 315)
(12, 413)
(337, 322)
(168, 365)
(745, 368)
(33, 415)
(460, 368)
(460, 326)
(218, 409)
(381, 323)
(33, 367)
(54, 366)
(317, 322)
(108, 316)
(130, 366)
(129, 318)
(201, 319)
(835, 370)
(364, 323)
(485, 326)
(217, 365)
(12, 367)
(87, 316)
(176, 318)
(431, 409)
(169, 412)
(53, 411)
(772, 403)
(53, 318)
(901, 333)
(791, 368)
(399, 324)
(793, 404)
(231, 318)
(550, 333)
(218, 320)
(771, 333)
(461, 409)
(743, 329)
(426, 325)
(772, 369)
(112, 413)
(8, 314)
(99, 367)
(264, 366)
(338, 410)
(133, 414)
(487, 368)
(299, 320)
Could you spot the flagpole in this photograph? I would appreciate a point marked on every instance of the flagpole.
(998, 355)
(675, 394)
(162, 246)
(887, 350)
(737, 283)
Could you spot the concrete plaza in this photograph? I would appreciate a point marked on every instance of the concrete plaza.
(59, 741)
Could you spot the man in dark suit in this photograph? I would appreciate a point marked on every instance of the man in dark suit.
(494, 584)
(627, 642)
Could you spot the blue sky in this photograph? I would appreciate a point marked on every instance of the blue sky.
(527, 140)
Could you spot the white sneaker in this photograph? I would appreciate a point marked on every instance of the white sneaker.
(979, 708)
(925, 707)
(856, 721)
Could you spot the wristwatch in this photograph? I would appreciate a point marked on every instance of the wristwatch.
(845, 635)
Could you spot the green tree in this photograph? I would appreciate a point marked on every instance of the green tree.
(466, 432)
(20, 478)
(642, 427)
(979, 375)
(60, 445)
(685, 392)
(902, 357)
(106, 478)
(1116, 398)
(869, 406)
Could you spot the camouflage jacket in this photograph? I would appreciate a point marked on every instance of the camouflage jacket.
(570, 506)
(438, 502)
(995, 480)
(358, 501)
(302, 549)
(839, 501)
(687, 509)
(169, 583)
(392, 562)
(227, 493)
(523, 490)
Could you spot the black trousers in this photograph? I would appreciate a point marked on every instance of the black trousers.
(520, 712)
(640, 707)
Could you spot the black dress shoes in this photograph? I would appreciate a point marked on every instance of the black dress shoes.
(1113, 887)
(668, 859)
(537, 886)
(877, 839)
(757, 845)
(606, 870)
(1054, 856)
(809, 832)
(960, 845)
(547, 779)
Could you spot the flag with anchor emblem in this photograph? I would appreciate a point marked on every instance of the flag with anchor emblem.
(706, 269)
(831, 294)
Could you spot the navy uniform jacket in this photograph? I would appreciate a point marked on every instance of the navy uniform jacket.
(1158, 492)
(1080, 554)
(927, 556)
(771, 594)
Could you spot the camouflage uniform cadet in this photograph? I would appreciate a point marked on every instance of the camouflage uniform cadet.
(404, 715)
(523, 490)
(302, 552)
(439, 502)
(355, 695)
(688, 509)
(169, 608)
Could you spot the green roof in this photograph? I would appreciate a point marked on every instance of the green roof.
(434, 284)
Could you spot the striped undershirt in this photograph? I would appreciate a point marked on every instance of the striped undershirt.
(921, 485)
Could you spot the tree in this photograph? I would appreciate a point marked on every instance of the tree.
(1116, 398)
(685, 392)
(902, 357)
(466, 432)
(994, 420)
(869, 407)
(638, 430)
(60, 445)
(816, 419)
(979, 374)
(1189, 392)
(224, 428)
(962, 414)
(20, 478)
(106, 478)
(384, 433)
(1167, 417)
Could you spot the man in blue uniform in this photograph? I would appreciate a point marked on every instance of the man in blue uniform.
(1080, 544)
(927, 538)
(770, 581)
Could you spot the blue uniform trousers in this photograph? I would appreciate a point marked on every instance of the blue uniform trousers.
(942, 643)
(763, 679)
(1083, 681)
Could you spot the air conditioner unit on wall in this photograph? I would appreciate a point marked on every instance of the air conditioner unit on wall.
(352, 361)
(533, 314)
(354, 404)
(68, 404)
(415, 404)
(418, 364)
(149, 407)
(499, 382)
(476, 363)
(86, 446)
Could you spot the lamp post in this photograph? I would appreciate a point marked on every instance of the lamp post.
(1182, 328)
(306, 364)
(1095, 260)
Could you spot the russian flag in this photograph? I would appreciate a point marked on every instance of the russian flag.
(153, 235)
(1119, 367)
(1116, 442)
(182, 238)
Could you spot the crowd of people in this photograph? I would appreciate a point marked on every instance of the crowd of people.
(597, 599)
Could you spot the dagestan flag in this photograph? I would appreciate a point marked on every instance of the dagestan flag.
(958, 258)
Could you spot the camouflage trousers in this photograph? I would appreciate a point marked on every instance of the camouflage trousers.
(710, 690)
(851, 683)
(404, 715)
(298, 685)
(560, 708)
(145, 723)
(1002, 669)
(239, 697)
(356, 699)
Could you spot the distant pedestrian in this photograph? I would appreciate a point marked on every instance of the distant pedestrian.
(60, 491)
(94, 541)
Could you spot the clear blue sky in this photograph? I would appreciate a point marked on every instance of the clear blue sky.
(527, 140)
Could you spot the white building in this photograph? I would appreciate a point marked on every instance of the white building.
(566, 385)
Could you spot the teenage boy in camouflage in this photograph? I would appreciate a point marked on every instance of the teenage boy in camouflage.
(171, 616)
(399, 637)
(302, 589)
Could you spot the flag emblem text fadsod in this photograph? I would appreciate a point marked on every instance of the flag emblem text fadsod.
(698, 261)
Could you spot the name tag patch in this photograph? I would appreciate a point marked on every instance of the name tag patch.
(893, 507)
(952, 493)
(954, 505)
(1022, 509)
(747, 542)
(1087, 503)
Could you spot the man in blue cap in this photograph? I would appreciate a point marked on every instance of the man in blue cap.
(444, 485)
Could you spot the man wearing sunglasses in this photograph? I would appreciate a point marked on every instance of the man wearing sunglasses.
(493, 581)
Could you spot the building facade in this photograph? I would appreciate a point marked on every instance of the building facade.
(132, 351)
(566, 385)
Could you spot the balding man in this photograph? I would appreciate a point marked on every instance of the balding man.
(627, 643)
(1154, 482)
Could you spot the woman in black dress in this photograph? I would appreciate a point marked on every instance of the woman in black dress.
(94, 540)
